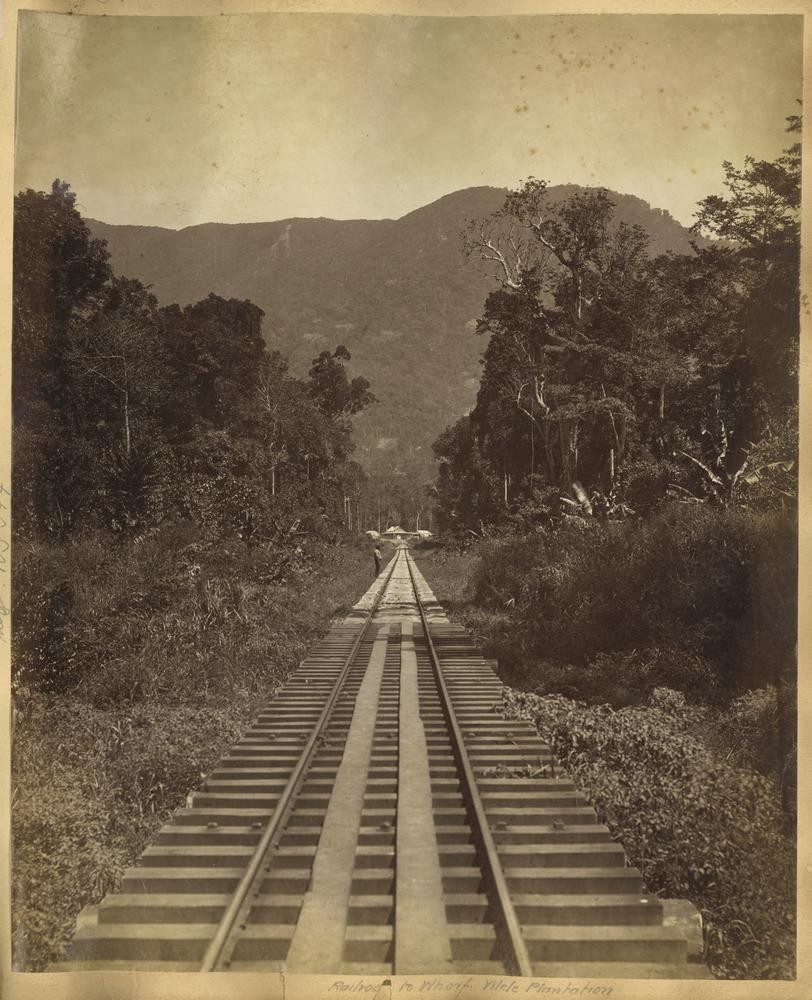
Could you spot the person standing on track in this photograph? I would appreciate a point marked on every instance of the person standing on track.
(376, 555)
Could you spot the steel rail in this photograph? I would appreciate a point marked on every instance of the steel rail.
(517, 960)
(216, 948)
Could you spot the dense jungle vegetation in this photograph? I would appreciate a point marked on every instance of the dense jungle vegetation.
(179, 542)
(620, 530)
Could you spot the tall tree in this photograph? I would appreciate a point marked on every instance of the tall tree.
(563, 329)
(217, 348)
(750, 365)
(467, 488)
(119, 355)
(58, 267)
(334, 392)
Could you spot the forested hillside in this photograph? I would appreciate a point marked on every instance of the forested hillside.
(400, 294)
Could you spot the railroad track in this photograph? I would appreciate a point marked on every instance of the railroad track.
(381, 816)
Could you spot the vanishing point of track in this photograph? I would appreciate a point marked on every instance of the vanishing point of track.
(381, 816)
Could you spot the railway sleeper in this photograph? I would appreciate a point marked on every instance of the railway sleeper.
(263, 942)
(183, 942)
(369, 943)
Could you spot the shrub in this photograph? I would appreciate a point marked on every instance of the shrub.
(160, 670)
(718, 584)
(695, 825)
(759, 730)
(57, 829)
(643, 482)
(502, 567)
(627, 678)
(91, 787)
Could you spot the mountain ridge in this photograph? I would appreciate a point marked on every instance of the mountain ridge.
(399, 293)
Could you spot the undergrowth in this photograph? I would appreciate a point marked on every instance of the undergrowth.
(163, 652)
(697, 826)
(658, 659)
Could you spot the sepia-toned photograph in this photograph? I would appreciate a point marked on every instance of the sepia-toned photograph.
(404, 499)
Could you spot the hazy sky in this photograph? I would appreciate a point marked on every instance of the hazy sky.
(177, 121)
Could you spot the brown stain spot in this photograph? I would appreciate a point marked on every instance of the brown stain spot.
(532, 151)
(547, 125)
(521, 107)
(705, 125)
(693, 170)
